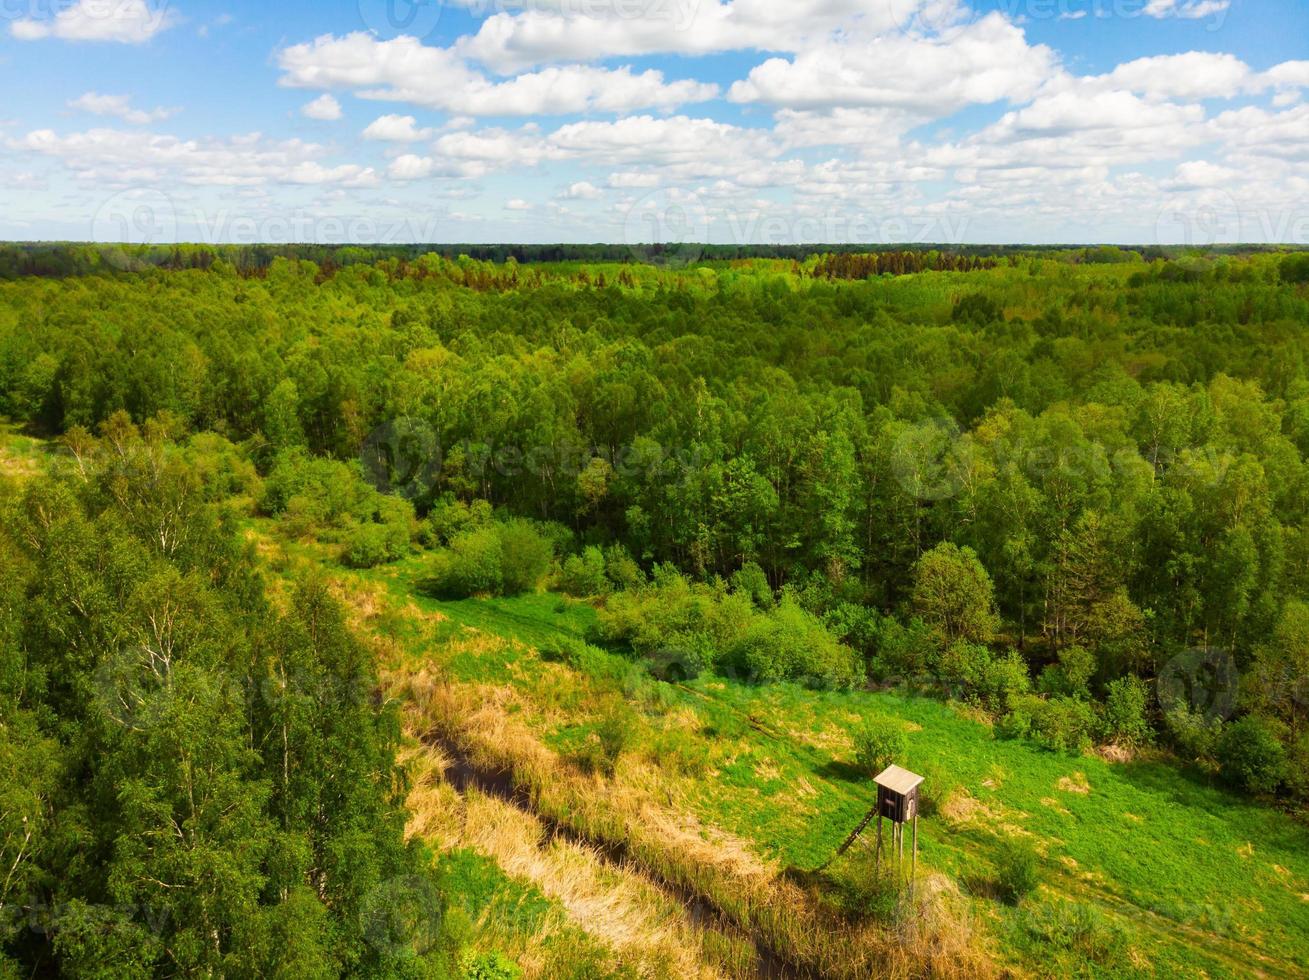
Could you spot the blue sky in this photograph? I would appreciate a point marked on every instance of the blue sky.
(1149, 121)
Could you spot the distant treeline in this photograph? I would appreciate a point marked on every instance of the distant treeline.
(61, 259)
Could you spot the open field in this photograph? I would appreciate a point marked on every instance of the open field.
(1148, 869)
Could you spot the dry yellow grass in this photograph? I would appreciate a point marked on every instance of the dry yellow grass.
(637, 811)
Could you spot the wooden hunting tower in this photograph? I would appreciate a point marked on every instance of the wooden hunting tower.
(897, 800)
(897, 794)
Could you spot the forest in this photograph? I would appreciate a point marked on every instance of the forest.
(1065, 491)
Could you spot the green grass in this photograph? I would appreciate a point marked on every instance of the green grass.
(488, 909)
(1151, 857)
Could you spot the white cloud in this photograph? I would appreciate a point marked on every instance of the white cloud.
(118, 157)
(986, 61)
(124, 21)
(405, 70)
(509, 42)
(396, 129)
(324, 108)
(1196, 174)
(1194, 75)
(119, 106)
(1186, 9)
(517, 204)
(582, 191)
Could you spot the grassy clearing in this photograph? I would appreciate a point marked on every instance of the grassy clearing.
(1146, 868)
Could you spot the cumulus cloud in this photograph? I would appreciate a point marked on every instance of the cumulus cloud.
(406, 70)
(123, 21)
(119, 106)
(396, 129)
(985, 61)
(116, 157)
(324, 108)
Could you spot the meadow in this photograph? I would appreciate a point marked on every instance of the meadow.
(1148, 868)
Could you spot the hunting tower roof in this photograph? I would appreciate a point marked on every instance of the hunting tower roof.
(897, 780)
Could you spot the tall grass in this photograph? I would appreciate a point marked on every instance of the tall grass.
(933, 935)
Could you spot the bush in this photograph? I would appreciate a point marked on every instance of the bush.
(750, 580)
(1192, 734)
(1015, 724)
(1018, 870)
(471, 566)
(493, 965)
(613, 734)
(525, 557)
(450, 518)
(702, 625)
(791, 644)
(1071, 676)
(584, 575)
(1295, 269)
(1124, 711)
(497, 559)
(1252, 754)
(878, 743)
(1060, 724)
(903, 651)
(621, 569)
(993, 682)
(366, 546)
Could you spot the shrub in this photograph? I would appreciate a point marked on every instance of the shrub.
(1124, 711)
(903, 651)
(1060, 724)
(750, 580)
(1015, 724)
(993, 682)
(365, 546)
(1295, 268)
(614, 733)
(1193, 734)
(584, 575)
(471, 566)
(621, 569)
(702, 626)
(1071, 676)
(493, 965)
(878, 743)
(791, 644)
(1018, 870)
(525, 557)
(1252, 754)
(450, 518)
